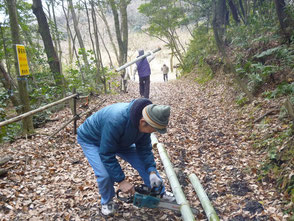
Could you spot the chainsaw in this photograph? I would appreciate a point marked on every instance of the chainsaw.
(150, 198)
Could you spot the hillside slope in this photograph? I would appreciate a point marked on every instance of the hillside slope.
(52, 180)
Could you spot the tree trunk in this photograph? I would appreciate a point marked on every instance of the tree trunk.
(121, 30)
(247, 6)
(178, 41)
(284, 19)
(106, 49)
(49, 48)
(95, 46)
(78, 33)
(90, 32)
(27, 123)
(234, 11)
(49, 17)
(171, 64)
(99, 63)
(71, 39)
(117, 31)
(289, 107)
(8, 65)
(58, 46)
(102, 16)
(124, 29)
(70, 53)
(242, 8)
(219, 19)
(218, 35)
(9, 86)
(174, 47)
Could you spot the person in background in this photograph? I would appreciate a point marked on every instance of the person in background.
(143, 68)
(165, 71)
(123, 130)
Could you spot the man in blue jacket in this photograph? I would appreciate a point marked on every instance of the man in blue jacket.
(123, 129)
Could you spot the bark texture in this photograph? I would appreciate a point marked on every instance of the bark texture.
(48, 43)
(27, 123)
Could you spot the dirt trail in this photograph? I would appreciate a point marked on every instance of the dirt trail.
(53, 181)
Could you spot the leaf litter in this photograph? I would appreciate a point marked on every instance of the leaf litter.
(52, 180)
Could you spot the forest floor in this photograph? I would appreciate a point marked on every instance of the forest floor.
(52, 180)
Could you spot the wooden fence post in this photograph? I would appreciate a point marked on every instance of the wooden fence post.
(75, 111)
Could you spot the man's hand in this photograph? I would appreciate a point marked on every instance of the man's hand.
(126, 187)
(155, 181)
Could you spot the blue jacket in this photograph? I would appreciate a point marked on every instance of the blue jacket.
(112, 130)
(143, 66)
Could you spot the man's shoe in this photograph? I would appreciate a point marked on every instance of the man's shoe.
(109, 209)
(168, 197)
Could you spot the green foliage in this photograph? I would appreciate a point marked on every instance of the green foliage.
(112, 78)
(201, 46)
(199, 14)
(4, 96)
(282, 53)
(204, 74)
(262, 61)
(256, 73)
(85, 79)
(259, 74)
(280, 149)
(282, 89)
(164, 16)
(8, 132)
(43, 89)
(93, 79)
(241, 99)
(74, 79)
(260, 68)
(267, 52)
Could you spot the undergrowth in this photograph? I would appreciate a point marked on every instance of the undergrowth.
(265, 64)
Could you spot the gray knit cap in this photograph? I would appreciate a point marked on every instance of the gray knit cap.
(157, 116)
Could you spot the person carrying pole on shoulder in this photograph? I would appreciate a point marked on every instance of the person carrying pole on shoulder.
(143, 68)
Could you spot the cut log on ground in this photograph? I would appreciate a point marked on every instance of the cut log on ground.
(264, 115)
(3, 172)
(5, 160)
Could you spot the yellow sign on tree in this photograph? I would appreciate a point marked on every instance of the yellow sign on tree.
(22, 60)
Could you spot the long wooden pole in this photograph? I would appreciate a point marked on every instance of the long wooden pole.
(137, 59)
(206, 204)
(22, 116)
(186, 211)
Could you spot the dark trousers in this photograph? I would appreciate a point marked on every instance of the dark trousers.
(144, 86)
(165, 77)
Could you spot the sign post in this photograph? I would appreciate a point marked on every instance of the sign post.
(22, 60)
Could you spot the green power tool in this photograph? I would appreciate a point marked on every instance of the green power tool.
(150, 198)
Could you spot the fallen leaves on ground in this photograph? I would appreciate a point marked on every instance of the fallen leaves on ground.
(52, 180)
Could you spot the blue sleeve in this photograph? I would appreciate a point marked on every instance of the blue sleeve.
(144, 150)
(108, 149)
